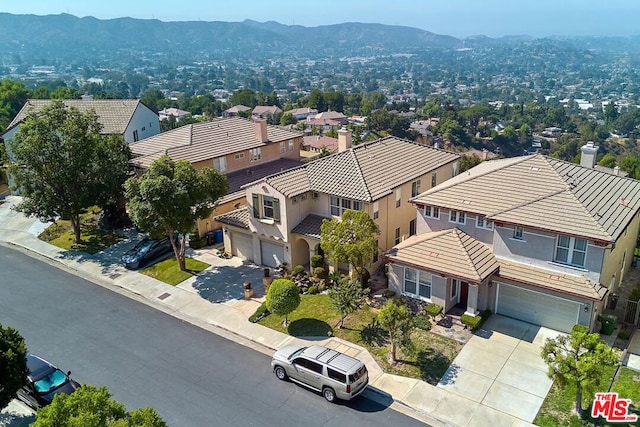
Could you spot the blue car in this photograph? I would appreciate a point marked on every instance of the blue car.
(146, 252)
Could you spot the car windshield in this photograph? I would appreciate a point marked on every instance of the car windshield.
(50, 382)
(297, 352)
(143, 246)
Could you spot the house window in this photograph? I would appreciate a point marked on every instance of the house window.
(457, 217)
(397, 235)
(376, 208)
(412, 227)
(417, 282)
(518, 233)
(375, 254)
(432, 212)
(415, 188)
(434, 179)
(398, 197)
(339, 205)
(220, 164)
(255, 154)
(571, 250)
(266, 207)
(291, 145)
(239, 156)
(282, 147)
(483, 222)
(135, 136)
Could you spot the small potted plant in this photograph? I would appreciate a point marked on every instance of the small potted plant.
(248, 290)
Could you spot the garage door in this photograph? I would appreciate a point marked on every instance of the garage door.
(242, 246)
(272, 253)
(537, 308)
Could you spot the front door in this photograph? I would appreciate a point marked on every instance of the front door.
(464, 294)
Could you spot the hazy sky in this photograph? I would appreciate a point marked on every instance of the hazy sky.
(453, 17)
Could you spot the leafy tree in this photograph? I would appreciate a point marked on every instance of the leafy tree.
(151, 99)
(317, 101)
(59, 163)
(13, 364)
(610, 114)
(631, 165)
(90, 406)
(282, 298)
(348, 296)
(170, 196)
(396, 319)
(13, 95)
(578, 359)
(287, 119)
(468, 162)
(350, 239)
(114, 168)
(65, 92)
(608, 160)
(245, 97)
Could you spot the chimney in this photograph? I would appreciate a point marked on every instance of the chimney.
(344, 140)
(485, 154)
(616, 170)
(261, 130)
(589, 154)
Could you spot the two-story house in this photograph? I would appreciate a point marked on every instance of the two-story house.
(127, 117)
(242, 149)
(533, 238)
(286, 209)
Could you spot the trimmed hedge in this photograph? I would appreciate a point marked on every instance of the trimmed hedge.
(260, 313)
(433, 309)
(475, 322)
(580, 328)
(422, 322)
(317, 261)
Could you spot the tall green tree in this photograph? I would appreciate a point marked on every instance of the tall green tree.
(283, 297)
(170, 196)
(13, 364)
(578, 359)
(350, 239)
(13, 95)
(396, 319)
(347, 296)
(59, 163)
(90, 406)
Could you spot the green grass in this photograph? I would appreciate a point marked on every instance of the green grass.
(94, 239)
(316, 316)
(627, 385)
(168, 271)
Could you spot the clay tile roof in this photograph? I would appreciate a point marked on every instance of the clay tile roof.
(310, 226)
(238, 218)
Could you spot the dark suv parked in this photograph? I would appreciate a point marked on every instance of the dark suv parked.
(146, 252)
(44, 382)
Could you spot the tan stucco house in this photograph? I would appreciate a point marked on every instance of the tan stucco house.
(532, 237)
(243, 149)
(285, 210)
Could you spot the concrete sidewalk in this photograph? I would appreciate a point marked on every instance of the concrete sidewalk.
(228, 317)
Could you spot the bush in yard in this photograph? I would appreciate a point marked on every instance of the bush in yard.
(422, 322)
(580, 328)
(13, 364)
(433, 309)
(195, 241)
(475, 322)
(317, 261)
(313, 289)
(298, 270)
(348, 296)
(395, 318)
(283, 297)
(260, 313)
(319, 272)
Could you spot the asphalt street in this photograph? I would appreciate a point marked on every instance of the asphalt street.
(148, 358)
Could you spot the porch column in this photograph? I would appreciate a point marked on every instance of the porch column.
(472, 300)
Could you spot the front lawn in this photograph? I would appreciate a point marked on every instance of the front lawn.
(316, 316)
(94, 238)
(168, 271)
(557, 408)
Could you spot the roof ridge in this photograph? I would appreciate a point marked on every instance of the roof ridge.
(363, 181)
(460, 236)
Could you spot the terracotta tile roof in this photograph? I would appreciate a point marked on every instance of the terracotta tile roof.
(113, 114)
(543, 193)
(265, 109)
(310, 226)
(206, 140)
(450, 252)
(317, 141)
(237, 109)
(238, 218)
(367, 172)
(552, 280)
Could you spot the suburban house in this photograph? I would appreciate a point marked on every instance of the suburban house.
(533, 238)
(127, 117)
(302, 113)
(242, 149)
(176, 113)
(265, 111)
(285, 210)
(316, 143)
(233, 111)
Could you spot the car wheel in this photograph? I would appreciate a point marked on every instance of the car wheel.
(280, 373)
(329, 394)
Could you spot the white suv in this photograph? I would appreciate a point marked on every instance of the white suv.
(334, 374)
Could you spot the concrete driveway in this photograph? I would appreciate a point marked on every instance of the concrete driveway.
(501, 368)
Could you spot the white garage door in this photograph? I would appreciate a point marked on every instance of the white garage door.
(537, 308)
(272, 253)
(242, 246)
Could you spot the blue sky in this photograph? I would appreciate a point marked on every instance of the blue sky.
(458, 18)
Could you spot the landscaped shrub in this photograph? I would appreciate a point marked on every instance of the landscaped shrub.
(196, 242)
(313, 289)
(580, 328)
(260, 313)
(475, 322)
(388, 293)
(422, 322)
(298, 270)
(317, 261)
(433, 309)
(635, 295)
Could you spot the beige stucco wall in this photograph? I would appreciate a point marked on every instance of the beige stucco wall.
(613, 270)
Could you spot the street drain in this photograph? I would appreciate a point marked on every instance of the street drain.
(164, 296)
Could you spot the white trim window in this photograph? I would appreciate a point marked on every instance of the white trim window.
(255, 154)
(397, 240)
(338, 205)
(291, 145)
(483, 222)
(415, 188)
(398, 197)
(412, 227)
(518, 232)
(220, 164)
(571, 251)
(282, 147)
(432, 212)
(455, 289)
(417, 283)
(376, 210)
(459, 217)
